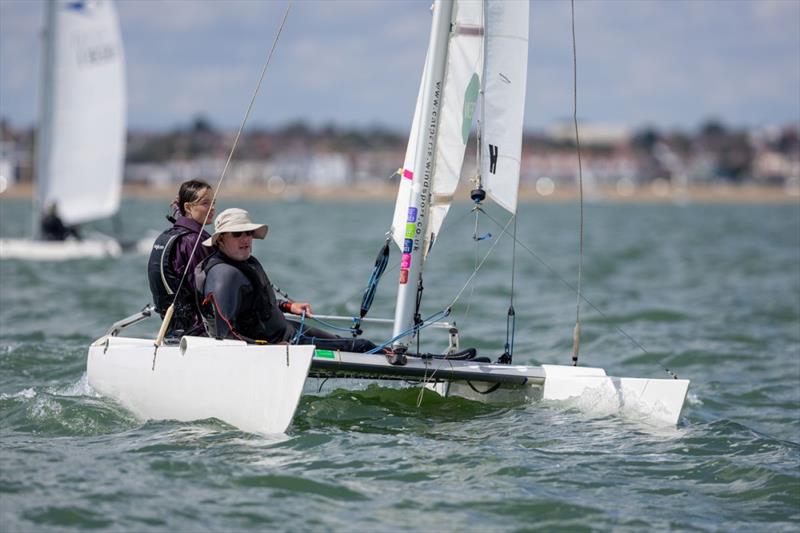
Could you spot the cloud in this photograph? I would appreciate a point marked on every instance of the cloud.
(359, 62)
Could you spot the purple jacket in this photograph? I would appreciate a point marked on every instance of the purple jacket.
(183, 250)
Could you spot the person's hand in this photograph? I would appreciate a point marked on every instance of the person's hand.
(298, 308)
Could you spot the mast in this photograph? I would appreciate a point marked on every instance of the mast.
(44, 126)
(420, 193)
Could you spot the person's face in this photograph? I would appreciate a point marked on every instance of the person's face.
(237, 245)
(201, 210)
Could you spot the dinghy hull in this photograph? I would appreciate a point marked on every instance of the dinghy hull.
(254, 388)
(32, 250)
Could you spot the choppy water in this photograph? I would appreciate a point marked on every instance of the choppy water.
(712, 292)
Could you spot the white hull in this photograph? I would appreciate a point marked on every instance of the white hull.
(254, 388)
(34, 250)
(656, 401)
(92, 248)
(257, 388)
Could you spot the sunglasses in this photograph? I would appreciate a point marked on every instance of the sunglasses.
(237, 234)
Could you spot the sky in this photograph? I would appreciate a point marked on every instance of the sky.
(670, 64)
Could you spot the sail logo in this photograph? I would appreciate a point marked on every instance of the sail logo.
(100, 53)
(470, 101)
(493, 150)
(84, 7)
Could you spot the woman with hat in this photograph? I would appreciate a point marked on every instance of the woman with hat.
(238, 301)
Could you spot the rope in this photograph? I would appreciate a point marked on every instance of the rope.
(413, 329)
(441, 314)
(299, 331)
(235, 143)
(332, 326)
(477, 211)
(555, 273)
(576, 333)
(491, 249)
(511, 317)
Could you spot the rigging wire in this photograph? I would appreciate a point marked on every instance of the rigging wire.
(555, 273)
(576, 332)
(171, 309)
(511, 317)
(485, 257)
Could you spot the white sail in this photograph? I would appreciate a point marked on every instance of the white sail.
(503, 104)
(459, 96)
(81, 142)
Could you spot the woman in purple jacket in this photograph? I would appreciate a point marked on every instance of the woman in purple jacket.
(175, 252)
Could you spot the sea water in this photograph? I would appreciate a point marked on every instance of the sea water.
(711, 292)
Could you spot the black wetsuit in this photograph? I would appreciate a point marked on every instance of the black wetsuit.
(240, 303)
(53, 229)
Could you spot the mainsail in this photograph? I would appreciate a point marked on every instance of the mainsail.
(487, 53)
(81, 139)
(459, 96)
(477, 52)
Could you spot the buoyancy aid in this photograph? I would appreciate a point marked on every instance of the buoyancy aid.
(164, 281)
(259, 318)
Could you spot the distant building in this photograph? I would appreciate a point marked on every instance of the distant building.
(590, 134)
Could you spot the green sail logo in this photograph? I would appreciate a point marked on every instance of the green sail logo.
(470, 101)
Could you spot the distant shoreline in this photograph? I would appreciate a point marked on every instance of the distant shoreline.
(657, 193)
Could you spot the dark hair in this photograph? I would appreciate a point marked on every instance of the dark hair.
(188, 193)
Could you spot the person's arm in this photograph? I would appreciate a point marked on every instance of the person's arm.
(295, 308)
(225, 287)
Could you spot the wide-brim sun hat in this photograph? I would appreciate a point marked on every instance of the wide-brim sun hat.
(235, 219)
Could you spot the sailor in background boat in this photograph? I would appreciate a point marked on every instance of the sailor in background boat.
(238, 301)
(54, 229)
(175, 252)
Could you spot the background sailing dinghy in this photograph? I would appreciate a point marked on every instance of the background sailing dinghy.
(477, 57)
(80, 148)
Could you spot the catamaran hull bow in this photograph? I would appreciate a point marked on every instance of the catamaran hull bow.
(254, 388)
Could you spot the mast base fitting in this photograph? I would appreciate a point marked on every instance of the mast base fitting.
(477, 195)
(397, 359)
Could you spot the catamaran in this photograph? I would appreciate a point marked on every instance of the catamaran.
(476, 60)
(80, 145)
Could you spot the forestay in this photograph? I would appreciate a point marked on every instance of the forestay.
(80, 149)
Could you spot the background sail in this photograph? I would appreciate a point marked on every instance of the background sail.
(81, 143)
(503, 109)
(459, 97)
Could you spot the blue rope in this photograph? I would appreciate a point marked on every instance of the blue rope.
(299, 331)
(413, 329)
(331, 326)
